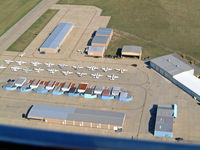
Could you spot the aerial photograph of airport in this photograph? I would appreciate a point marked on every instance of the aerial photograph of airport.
(124, 70)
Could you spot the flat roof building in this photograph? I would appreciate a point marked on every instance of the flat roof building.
(171, 65)
(100, 41)
(96, 51)
(178, 72)
(56, 38)
(164, 121)
(77, 116)
(130, 50)
(104, 32)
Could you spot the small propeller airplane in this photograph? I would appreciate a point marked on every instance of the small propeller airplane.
(2, 67)
(106, 69)
(38, 70)
(77, 67)
(80, 74)
(79, 50)
(96, 75)
(65, 73)
(61, 66)
(112, 77)
(26, 70)
(52, 71)
(121, 70)
(20, 62)
(49, 64)
(35, 64)
(8, 61)
(92, 68)
(21, 55)
(15, 68)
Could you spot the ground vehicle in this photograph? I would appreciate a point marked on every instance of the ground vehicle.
(198, 76)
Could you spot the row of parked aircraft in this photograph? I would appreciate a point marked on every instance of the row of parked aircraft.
(52, 71)
(61, 66)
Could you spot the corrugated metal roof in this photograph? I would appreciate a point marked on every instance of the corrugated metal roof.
(97, 116)
(131, 48)
(104, 31)
(190, 81)
(123, 95)
(95, 48)
(100, 39)
(89, 91)
(171, 64)
(165, 110)
(164, 124)
(164, 118)
(99, 88)
(57, 36)
(47, 111)
(106, 92)
(77, 114)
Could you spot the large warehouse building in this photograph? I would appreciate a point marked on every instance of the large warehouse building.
(56, 38)
(179, 73)
(77, 116)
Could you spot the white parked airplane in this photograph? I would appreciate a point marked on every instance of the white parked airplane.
(49, 64)
(106, 69)
(92, 68)
(96, 75)
(2, 67)
(67, 73)
(61, 66)
(52, 71)
(38, 70)
(79, 50)
(20, 62)
(15, 68)
(35, 64)
(121, 70)
(26, 70)
(112, 77)
(21, 55)
(77, 67)
(8, 61)
(80, 74)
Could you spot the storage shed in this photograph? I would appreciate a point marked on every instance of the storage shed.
(130, 50)
(102, 41)
(96, 51)
(56, 38)
(77, 116)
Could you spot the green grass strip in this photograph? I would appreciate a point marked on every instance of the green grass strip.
(26, 38)
(11, 11)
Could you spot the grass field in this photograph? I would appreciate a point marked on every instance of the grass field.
(25, 39)
(160, 26)
(13, 10)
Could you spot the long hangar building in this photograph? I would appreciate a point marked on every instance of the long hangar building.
(56, 38)
(178, 72)
(77, 116)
